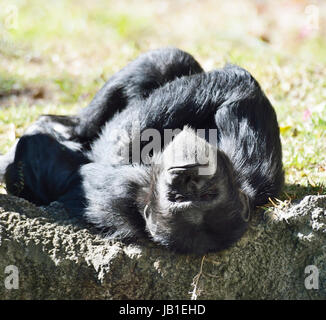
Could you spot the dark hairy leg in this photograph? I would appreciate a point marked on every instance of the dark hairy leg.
(44, 170)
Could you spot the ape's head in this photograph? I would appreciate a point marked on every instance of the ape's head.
(195, 204)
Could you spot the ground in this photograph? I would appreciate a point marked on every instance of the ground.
(54, 56)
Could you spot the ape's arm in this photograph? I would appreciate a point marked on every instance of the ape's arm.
(136, 81)
(194, 100)
(113, 198)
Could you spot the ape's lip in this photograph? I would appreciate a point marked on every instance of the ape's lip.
(202, 204)
(190, 166)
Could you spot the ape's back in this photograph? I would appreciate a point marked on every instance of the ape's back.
(229, 101)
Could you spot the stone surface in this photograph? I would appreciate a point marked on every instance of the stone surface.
(58, 258)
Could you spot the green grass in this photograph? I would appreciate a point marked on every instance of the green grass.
(67, 49)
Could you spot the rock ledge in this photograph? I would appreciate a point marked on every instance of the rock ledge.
(58, 258)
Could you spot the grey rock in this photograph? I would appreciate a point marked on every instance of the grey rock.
(58, 258)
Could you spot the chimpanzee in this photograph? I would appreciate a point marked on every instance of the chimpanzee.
(164, 150)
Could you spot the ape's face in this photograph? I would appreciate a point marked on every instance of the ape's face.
(195, 205)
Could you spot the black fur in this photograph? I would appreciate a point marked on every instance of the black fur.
(76, 160)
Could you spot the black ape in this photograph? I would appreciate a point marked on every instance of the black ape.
(192, 194)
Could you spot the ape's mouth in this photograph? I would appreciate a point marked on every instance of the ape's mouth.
(209, 196)
(194, 197)
(186, 167)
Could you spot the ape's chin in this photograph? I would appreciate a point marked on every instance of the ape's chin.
(199, 238)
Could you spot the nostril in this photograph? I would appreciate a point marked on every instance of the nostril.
(193, 187)
(196, 185)
(205, 197)
(187, 179)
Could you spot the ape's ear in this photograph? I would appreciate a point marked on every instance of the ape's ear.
(246, 211)
(147, 211)
(148, 216)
